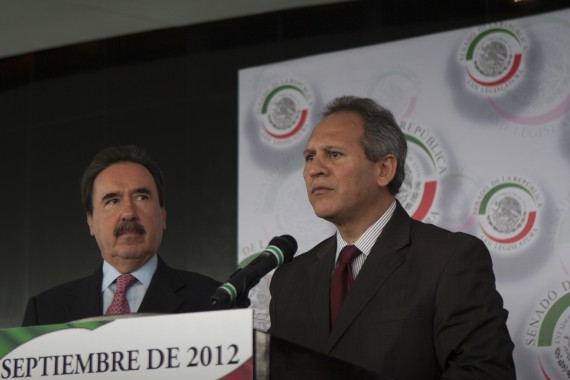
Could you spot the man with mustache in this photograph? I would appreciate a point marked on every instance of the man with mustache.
(123, 196)
(419, 301)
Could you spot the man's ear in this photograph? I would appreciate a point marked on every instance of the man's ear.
(90, 224)
(386, 166)
(163, 218)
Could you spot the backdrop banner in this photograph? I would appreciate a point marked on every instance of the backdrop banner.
(486, 113)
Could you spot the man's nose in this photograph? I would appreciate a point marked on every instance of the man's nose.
(316, 167)
(128, 211)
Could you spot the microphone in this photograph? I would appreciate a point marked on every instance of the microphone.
(279, 251)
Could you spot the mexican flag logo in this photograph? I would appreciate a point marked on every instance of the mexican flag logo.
(425, 164)
(548, 333)
(283, 111)
(493, 58)
(507, 210)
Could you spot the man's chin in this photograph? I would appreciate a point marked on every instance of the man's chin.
(323, 212)
(132, 251)
(131, 255)
(128, 261)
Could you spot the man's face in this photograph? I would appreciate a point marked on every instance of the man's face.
(127, 219)
(342, 184)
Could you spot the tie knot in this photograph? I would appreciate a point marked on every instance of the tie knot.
(124, 282)
(348, 253)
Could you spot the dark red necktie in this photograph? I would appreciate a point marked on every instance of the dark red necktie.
(120, 305)
(341, 280)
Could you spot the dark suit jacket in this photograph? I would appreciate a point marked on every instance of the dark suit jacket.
(170, 291)
(424, 306)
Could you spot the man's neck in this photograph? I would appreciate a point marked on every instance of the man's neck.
(353, 230)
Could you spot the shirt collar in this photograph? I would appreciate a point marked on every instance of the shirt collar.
(366, 241)
(143, 274)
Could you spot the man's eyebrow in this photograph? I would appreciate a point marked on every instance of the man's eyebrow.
(327, 148)
(140, 190)
(143, 190)
(109, 196)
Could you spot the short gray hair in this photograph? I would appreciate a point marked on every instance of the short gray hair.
(381, 136)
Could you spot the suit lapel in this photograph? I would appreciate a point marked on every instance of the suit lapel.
(86, 299)
(382, 261)
(320, 274)
(161, 293)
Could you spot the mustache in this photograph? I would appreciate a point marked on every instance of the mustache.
(129, 226)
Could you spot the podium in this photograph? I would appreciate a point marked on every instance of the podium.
(206, 345)
(278, 359)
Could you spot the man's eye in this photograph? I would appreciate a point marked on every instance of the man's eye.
(141, 197)
(111, 201)
(334, 154)
(309, 157)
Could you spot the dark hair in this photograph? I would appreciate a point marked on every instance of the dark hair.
(113, 155)
(381, 136)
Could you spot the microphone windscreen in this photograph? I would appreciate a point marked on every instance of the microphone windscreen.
(288, 246)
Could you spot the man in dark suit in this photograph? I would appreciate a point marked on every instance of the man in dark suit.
(123, 196)
(423, 302)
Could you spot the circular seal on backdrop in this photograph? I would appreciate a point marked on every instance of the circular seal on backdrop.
(283, 111)
(548, 333)
(284, 206)
(396, 90)
(425, 164)
(412, 191)
(507, 211)
(543, 98)
(259, 296)
(460, 188)
(492, 56)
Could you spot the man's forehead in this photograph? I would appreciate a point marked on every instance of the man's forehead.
(124, 176)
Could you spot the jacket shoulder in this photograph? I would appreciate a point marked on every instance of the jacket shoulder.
(431, 233)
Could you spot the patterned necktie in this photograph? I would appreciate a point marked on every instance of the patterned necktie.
(120, 305)
(341, 280)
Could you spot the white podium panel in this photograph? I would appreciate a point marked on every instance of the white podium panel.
(208, 345)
